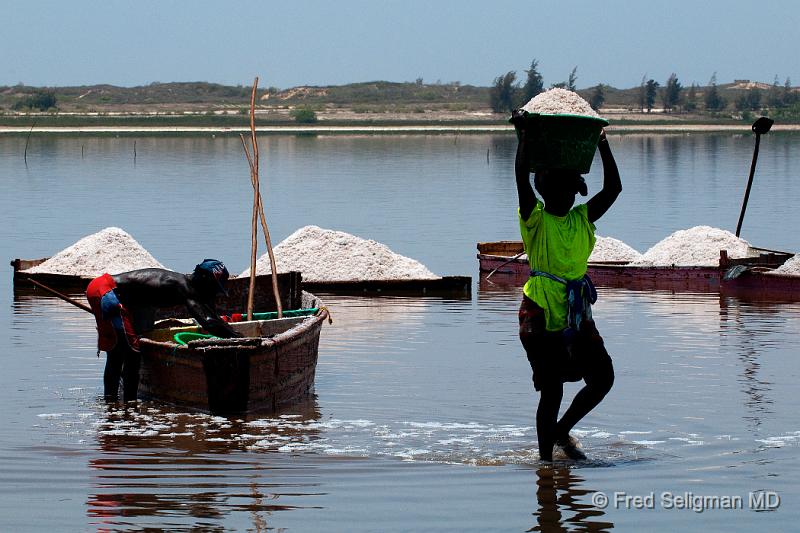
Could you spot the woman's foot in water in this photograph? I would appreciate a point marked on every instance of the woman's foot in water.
(571, 448)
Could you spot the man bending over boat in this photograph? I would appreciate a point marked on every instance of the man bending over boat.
(125, 306)
(555, 324)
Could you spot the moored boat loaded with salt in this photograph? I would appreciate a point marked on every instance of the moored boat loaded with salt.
(789, 268)
(697, 246)
(324, 255)
(110, 250)
(687, 259)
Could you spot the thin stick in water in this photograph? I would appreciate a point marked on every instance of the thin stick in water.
(25, 156)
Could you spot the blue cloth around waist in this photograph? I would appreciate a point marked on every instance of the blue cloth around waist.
(581, 294)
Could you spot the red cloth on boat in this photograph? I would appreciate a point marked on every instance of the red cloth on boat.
(111, 316)
(234, 317)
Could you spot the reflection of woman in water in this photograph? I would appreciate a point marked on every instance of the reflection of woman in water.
(559, 496)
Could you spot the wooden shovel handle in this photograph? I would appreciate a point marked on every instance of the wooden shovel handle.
(62, 296)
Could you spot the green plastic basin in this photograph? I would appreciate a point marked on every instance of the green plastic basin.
(185, 337)
(562, 141)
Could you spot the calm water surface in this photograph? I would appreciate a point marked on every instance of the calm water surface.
(424, 410)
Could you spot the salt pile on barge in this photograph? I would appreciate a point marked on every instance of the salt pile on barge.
(697, 246)
(111, 250)
(327, 255)
(610, 249)
(790, 267)
(559, 101)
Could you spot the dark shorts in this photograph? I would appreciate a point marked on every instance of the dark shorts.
(553, 359)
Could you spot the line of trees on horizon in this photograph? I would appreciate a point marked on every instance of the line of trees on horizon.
(506, 94)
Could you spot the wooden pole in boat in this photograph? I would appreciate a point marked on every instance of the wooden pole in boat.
(504, 264)
(62, 296)
(265, 229)
(272, 265)
(253, 162)
(254, 221)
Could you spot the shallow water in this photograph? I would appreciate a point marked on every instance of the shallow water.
(423, 412)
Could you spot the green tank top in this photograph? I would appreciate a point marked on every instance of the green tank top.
(560, 246)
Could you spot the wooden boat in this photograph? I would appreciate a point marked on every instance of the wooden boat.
(273, 366)
(500, 256)
(763, 284)
(449, 286)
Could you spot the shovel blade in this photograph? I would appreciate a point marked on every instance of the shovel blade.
(762, 125)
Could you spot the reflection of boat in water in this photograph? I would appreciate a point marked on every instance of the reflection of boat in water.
(197, 469)
(501, 258)
(151, 426)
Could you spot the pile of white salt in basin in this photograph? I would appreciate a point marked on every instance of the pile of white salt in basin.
(329, 255)
(111, 251)
(559, 101)
(790, 268)
(697, 246)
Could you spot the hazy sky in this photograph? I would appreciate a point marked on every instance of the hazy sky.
(309, 42)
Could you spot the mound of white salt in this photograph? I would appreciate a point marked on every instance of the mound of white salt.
(111, 250)
(328, 255)
(559, 101)
(611, 249)
(697, 246)
(790, 268)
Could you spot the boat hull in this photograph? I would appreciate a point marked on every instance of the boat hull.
(235, 376)
(499, 259)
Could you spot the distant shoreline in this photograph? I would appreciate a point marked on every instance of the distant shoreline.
(377, 129)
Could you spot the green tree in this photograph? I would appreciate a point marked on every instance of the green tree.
(775, 95)
(714, 100)
(789, 96)
(502, 93)
(534, 84)
(304, 115)
(691, 98)
(569, 84)
(40, 100)
(749, 101)
(651, 90)
(642, 94)
(573, 78)
(672, 93)
(598, 97)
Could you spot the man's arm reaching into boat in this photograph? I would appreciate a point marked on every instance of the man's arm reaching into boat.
(208, 317)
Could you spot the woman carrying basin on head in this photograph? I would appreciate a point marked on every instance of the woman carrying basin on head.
(555, 323)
